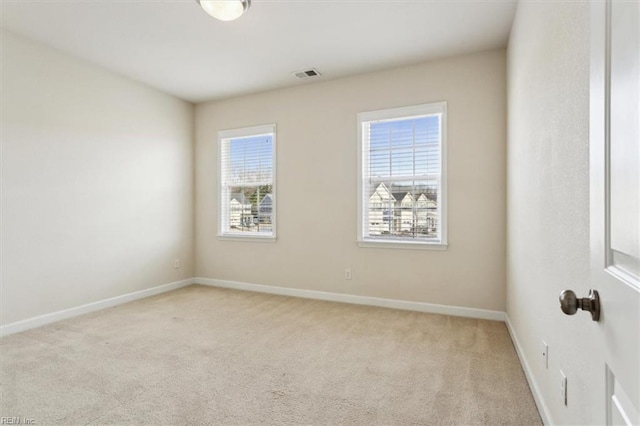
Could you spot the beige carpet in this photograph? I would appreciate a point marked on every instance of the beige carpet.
(202, 355)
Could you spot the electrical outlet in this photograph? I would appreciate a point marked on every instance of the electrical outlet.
(563, 387)
(176, 264)
(347, 274)
(545, 354)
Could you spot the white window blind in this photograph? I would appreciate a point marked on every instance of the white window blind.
(247, 184)
(402, 175)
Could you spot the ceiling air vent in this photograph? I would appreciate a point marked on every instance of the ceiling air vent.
(310, 73)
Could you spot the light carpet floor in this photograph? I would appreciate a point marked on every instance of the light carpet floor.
(203, 355)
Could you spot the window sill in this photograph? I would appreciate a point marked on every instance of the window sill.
(406, 245)
(247, 238)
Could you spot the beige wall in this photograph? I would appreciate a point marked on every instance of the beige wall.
(548, 202)
(316, 178)
(97, 183)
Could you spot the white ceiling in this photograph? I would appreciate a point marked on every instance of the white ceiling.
(175, 46)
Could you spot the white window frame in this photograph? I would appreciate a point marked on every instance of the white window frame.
(363, 172)
(225, 234)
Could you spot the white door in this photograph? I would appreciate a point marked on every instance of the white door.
(615, 202)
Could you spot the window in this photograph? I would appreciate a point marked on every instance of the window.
(402, 177)
(247, 183)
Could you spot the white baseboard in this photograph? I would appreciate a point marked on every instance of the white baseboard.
(357, 300)
(18, 326)
(535, 390)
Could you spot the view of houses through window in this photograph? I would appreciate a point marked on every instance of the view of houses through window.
(397, 211)
(250, 209)
(247, 191)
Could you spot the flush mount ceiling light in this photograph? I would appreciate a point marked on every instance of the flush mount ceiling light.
(225, 10)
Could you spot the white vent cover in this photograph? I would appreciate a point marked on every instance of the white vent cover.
(310, 73)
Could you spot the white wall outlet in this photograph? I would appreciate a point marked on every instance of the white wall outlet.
(563, 387)
(176, 264)
(347, 274)
(545, 354)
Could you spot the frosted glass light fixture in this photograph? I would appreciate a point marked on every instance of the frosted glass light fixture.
(225, 10)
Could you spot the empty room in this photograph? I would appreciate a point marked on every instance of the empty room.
(308, 212)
